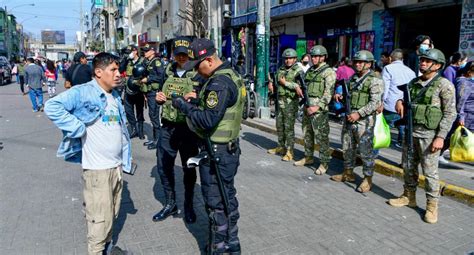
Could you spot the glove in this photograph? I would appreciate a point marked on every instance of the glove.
(177, 102)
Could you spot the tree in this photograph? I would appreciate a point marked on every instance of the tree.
(195, 12)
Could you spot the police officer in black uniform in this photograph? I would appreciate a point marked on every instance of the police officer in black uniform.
(175, 135)
(149, 86)
(134, 100)
(217, 117)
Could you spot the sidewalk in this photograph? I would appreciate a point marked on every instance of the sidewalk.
(457, 179)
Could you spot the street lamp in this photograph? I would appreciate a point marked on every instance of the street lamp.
(22, 41)
(7, 34)
(32, 4)
(21, 23)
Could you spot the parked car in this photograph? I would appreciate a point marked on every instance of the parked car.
(5, 71)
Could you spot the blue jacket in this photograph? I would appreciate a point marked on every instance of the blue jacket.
(78, 107)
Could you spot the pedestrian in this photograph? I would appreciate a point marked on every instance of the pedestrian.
(134, 101)
(97, 138)
(320, 80)
(217, 119)
(465, 96)
(305, 62)
(21, 75)
(394, 75)
(50, 74)
(149, 86)
(80, 72)
(14, 71)
(344, 70)
(34, 80)
(421, 44)
(358, 127)
(385, 59)
(288, 92)
(175, 135)
(458, 60)
(240, 65)
(434, 110)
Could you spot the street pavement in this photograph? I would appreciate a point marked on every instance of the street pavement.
(284, 209)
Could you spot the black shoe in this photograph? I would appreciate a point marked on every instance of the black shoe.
(152, 146)
(141, 135)
(134, 133)
(168, 210)
(233, 249)
(148, 143)
(189, 215)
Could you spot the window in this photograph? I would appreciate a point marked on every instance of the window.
(157, 20)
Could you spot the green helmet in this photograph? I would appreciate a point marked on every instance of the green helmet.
(318, 50)
(364, 55)
(289, 53)
(435, 55)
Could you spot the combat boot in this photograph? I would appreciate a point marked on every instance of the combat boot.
(141, 134)
(321, 169)
(346, 176)
(288, 156)
(134, 132)
(304, 161)
(366, 184)
(169, 209)
(154, 144)
(431, 215)
(408, 198)
(277, 151)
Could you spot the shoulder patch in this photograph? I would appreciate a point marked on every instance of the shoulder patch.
(157, 63)
(212, 100)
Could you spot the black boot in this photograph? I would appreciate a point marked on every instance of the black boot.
(169, 209)
(141, 135)
(134, 132)
(154, 143)
(189, 214)
(151, 141)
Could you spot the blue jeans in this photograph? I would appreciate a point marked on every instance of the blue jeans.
(36, 94)
(391, 118)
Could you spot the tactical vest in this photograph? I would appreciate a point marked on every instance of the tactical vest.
(290, 75)
(314, 81)
(151, 67)
(180, 87)
(360, 92)
(423, 112)
(229, 127)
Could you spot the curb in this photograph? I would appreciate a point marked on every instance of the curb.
(458, 193)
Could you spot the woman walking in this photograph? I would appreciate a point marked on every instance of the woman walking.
(50, 74)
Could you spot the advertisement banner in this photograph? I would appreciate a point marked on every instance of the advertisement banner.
(53, 37)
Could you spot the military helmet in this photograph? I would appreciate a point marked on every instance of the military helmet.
(363, 55)
(289, 53)
(435, 55)
(318, 50)
(139, 71)
(132, 87)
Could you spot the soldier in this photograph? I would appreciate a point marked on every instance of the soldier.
(149, 86)
(288, 92)
(133, 97)
(433, 106)
(217, 120)
(320, 80)
(358, 129)
(176, 136)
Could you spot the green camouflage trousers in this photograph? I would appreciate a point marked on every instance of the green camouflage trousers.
(359, 136)
(429, 164)
(317, 126)
(285, 122)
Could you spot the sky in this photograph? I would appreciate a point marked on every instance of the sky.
(50, 14)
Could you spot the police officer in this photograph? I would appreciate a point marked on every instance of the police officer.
(134, 100)
(358, 128)
(434, 111)
(175, 135)
(217, 117)
(149, 86)
(288, 92)
(320, 80)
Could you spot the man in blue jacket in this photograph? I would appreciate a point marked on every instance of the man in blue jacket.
(92, 119)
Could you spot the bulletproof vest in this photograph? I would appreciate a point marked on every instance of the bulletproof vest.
(314, 81)
(290, 75)
(229, 127)
(179, 86)
(130, 66)
(423, 112)
(151, 66)
(360, 91)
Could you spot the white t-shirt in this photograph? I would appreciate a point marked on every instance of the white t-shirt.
(102, 143)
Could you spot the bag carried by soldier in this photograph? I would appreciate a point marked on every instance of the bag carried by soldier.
(381, 132)
(462, 145)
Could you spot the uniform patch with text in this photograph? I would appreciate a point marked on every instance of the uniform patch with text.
(212, 99)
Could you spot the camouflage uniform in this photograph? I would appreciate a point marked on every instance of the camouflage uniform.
(361, 133)
(320, 82)
(443, 97)
(287, 106)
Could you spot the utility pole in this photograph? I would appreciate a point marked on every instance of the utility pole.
(82, 27)
(264, 112)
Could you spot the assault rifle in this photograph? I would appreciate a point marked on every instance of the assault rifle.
(275, 91)
(305, 100)
(347, 97)
(408, 120)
